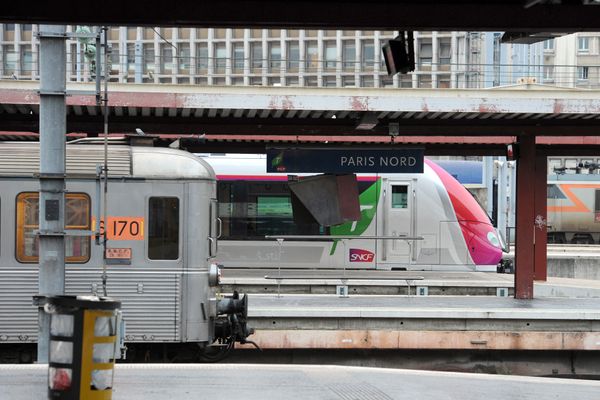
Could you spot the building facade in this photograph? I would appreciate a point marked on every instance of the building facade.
(267, 57)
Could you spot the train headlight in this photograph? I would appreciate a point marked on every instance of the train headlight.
(214, 275)
(493, 239)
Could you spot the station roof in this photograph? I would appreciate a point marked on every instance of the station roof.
(262, 111)
(246, 119)
(473, 15)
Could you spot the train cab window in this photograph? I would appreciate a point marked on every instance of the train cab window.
(399, 196)
(163, 228)
(77, 216)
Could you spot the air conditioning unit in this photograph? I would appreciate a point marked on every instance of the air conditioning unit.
(526, 80)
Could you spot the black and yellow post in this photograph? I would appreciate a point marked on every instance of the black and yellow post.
(83, 340)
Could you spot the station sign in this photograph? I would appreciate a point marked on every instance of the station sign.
(305, 160)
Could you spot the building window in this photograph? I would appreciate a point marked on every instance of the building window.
(10, 60)
(548, 73)
(348, 81)
(115, 63)
(367, 81)
(274, 57)
(311, 81)
(293, 56)
(274, 81)
(583, 44)
(220, 58)
(256, 81)
(386, 81)
(26, 60)
(329, 81)
(149, 59)
(312, 56)
(220, 33)
(237, 33)
(163, 228)
(292, 81)
(256, 57)
(330, 55)
(183, 33)
(201, 58)
(348, 55)
(443, 82)
(130, 58)
(445, 52)
(549, 45)
(132, 33)
(368, 56)
(406, 81)
(238, 57)
(77, 216)
(424, 81)
(425, 53)
(582, 73)
(166, 58)
(184, 58)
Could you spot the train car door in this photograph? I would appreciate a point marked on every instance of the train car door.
(396, 219)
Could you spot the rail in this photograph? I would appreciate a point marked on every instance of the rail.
(342, 289)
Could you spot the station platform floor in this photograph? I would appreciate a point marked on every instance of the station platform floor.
(264, 382)
(303, 281)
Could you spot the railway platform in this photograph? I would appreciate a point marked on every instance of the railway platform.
(413, 283)
(425, 322)
(227, 381)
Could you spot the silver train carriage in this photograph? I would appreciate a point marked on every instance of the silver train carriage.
(162, 231)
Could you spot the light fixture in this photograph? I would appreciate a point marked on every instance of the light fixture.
(367, 122)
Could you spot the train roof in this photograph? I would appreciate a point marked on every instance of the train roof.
(22, 159)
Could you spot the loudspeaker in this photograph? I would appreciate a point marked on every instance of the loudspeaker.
(399, 54)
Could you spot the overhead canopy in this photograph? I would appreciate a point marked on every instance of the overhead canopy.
(492, 15)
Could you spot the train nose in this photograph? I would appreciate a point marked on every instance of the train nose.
(483, 242)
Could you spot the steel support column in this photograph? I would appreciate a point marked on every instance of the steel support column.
(541, 215)
(53, 125)
(525, 217)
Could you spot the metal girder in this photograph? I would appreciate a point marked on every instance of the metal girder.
(493, 15)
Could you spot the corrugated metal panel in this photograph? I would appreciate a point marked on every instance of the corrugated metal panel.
(151, 311)
(151, 316)
(23, 159)
(18, 317)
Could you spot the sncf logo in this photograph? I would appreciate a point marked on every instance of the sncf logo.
(360, 255)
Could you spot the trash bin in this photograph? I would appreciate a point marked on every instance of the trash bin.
(82, 347)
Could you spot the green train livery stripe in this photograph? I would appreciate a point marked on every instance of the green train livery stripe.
(368, 207)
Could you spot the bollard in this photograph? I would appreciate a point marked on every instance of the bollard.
(83, 347)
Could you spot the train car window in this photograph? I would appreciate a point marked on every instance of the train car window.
(399, 196)
(77, 216)
(597, 206)
(554, 164)
(571, 165)
(163, 228)
(252, 209)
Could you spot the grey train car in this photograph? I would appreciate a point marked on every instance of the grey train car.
(162, 229)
